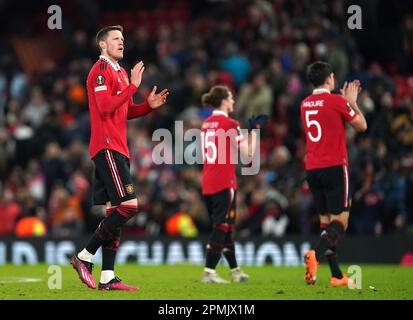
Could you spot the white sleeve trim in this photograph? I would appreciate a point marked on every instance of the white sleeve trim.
(101, 88)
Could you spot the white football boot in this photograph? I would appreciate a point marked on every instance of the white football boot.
(239, 276)
(212, 277)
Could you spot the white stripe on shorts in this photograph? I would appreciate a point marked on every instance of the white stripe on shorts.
(345, 187)
(114, 173)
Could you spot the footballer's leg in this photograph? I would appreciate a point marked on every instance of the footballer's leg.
(338, 278)
(316, 188)
(229, 249)
(108, 280)
(324, 222)
(215, 246)
(82, 262)
(109, 250)
(331, 256)
(112, 168)
(106, 235)
(217, 205)
(229, 252)
(338, 205)
(127, 208)
(328, 246)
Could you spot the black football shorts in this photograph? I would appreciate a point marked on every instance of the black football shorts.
(221, 206)
(112, 179)
(330, 188)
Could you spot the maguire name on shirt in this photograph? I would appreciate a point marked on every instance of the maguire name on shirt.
(210, 125)
(313, 104)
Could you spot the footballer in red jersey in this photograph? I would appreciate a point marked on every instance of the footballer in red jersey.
(324, 116)
(221, 141)
(110, 95)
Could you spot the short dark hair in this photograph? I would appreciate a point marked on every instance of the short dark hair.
(103, 33)
(215, 96)
(318, 72)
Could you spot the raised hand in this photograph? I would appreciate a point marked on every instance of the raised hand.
(351, 90)
(155, 100)
(136, 73)
(258, 122)
(358, 84)
(343, 90)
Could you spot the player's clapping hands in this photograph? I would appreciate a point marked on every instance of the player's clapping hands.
(351, 90)
(136, 74)
(155, 100)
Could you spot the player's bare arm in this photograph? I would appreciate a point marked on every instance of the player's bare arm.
(247, 146)
(350, 92)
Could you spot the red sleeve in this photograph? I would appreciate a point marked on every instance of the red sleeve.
(344, 108)
(138, 110)
(101, 84)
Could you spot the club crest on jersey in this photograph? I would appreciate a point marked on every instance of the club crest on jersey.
(129, 188)
(100, 79)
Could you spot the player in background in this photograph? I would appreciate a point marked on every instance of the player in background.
(221, 138)
(111, 105)
(323, 117)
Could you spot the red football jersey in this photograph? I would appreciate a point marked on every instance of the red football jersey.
(221, 136)
(110, 105)
(323, 116)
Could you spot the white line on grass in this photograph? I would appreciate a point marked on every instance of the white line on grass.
(19, 280)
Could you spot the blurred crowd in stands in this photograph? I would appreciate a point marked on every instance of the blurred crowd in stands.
(260, 49)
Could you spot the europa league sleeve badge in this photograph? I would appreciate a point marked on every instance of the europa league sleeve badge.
(100, 79)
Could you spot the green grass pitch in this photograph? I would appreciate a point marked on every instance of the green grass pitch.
(182, 282)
